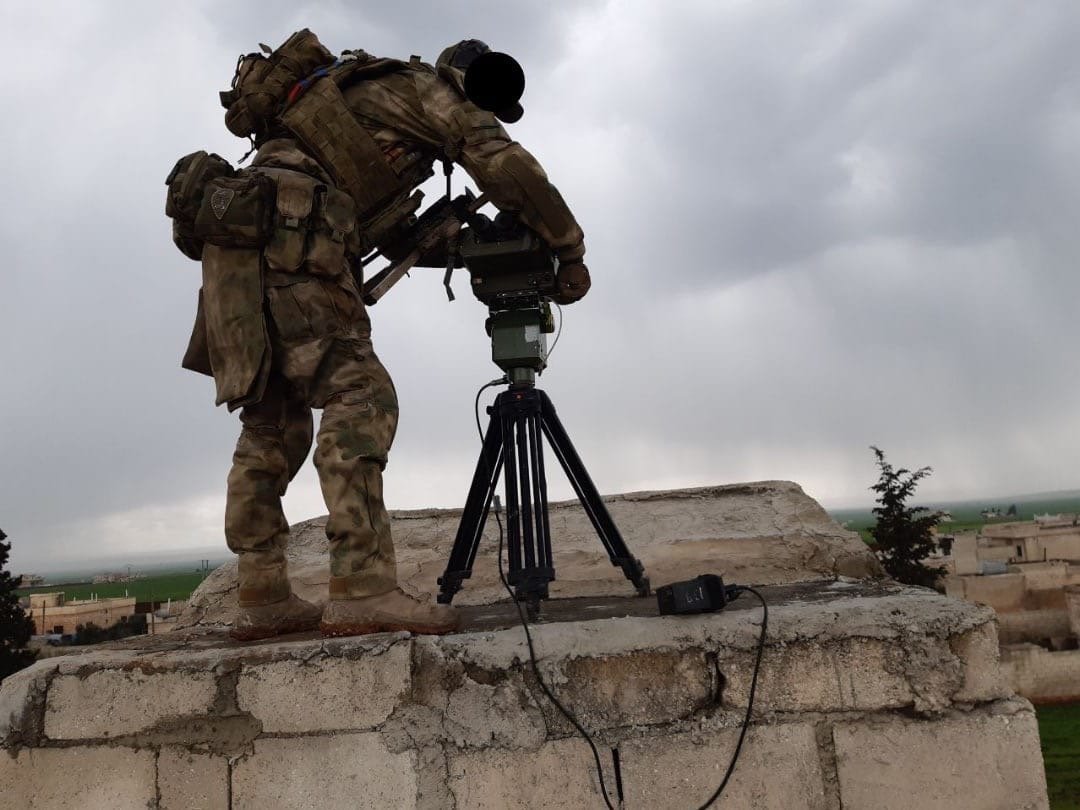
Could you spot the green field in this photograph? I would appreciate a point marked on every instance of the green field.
(1059, 729)
(966, 514)
(157, 588)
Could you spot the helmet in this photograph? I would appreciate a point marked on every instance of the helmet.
(492, 81)
(462, 54)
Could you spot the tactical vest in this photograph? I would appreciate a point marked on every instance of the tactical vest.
(282, 90)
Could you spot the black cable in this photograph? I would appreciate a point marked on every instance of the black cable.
(735, 591)
(476, 411)
(558, 332)
(525, 624)
(750, 699)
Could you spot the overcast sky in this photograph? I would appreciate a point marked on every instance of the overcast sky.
(812, 227)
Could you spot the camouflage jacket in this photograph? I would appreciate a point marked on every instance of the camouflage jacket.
(416, 117)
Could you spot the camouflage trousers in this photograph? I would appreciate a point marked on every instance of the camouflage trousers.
(359, 419)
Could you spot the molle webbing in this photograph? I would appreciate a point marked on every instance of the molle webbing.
(321, 119)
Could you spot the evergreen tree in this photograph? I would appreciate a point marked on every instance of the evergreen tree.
(15, 626)
(903, 533)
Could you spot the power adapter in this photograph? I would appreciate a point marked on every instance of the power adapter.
(704, 594)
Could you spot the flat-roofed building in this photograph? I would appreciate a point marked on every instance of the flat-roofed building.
(1051, 537)
(52, 613)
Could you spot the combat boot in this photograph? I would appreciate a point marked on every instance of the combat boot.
(388, 612)
(292, 615)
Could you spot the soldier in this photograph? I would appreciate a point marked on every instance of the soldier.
(341, 146)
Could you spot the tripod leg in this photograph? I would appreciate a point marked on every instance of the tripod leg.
(590, 498)
(530, 570)
(477, 504)
(513, 507)
(525, 487)
(543, 526)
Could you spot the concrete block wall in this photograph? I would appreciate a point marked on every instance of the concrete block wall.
(1041, 675)
(1072, 603)
(1020, 626)
(870, 696)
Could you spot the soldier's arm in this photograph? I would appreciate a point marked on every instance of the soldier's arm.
(502, 168)
(515, 181)
(423, 107)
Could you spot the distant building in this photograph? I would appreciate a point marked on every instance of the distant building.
(52, 613)
(1054, 537)
(115, 576)
(29, 580)
(1048, 519)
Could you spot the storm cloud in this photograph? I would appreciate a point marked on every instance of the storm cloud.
(811, 228)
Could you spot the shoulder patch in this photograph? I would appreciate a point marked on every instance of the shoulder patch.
(220, 201)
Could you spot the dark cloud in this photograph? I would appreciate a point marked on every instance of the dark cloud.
(810, 230)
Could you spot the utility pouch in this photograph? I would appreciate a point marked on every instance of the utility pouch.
(187, 182)
(296, 194)
(186, 187)
(333, 235)
(237, 212)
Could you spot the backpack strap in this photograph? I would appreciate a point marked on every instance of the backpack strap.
(318, 115)
(322, 121)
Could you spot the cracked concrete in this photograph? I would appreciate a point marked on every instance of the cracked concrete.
(854, 671)
(763, 532)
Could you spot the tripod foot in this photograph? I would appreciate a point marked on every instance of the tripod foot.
(532, 605)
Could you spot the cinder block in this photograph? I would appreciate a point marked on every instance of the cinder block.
(346, 772)
(77, 779)
(115, 702)
(325, 695)
(479, 715)
(640, 688)
(983, 679)
(558, 776)
(844, 675)
(986, 760)
(188, 781)
(778, 769)
(18, 692)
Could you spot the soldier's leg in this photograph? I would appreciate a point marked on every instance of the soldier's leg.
(355, 435)
(274, 441)
(357, 429)
(255, 525)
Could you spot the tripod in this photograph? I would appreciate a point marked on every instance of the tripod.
(520, 419)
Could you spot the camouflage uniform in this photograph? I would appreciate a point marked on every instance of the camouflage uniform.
(283, 329)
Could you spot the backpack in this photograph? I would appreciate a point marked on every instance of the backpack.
(187, 184)
(296, 91)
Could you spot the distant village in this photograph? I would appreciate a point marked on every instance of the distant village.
(60, 621)
(1029, 572)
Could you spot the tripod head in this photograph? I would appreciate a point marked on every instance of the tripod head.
(519, 340)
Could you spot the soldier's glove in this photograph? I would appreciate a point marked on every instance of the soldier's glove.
(571, 282)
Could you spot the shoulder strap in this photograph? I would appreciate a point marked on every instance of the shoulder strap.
(318, 115)
(358, 66)
(322, 121)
